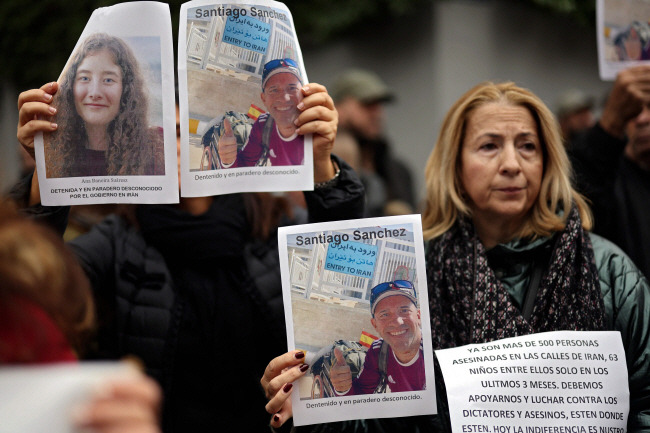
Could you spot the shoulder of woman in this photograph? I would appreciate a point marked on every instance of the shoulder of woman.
(616, 270)
(609, 255)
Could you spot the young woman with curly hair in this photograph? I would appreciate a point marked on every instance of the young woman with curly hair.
(102, 110)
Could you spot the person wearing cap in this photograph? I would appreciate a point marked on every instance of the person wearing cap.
(575, 114)
(274, 138)
(360, 97)
(396, 317)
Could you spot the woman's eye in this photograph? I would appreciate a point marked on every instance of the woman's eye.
(488, 146)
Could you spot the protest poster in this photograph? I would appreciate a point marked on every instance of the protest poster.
(551, 382)
(43, 398)
(623, 35)
(240, 74)
(115, 141)
(356, 302)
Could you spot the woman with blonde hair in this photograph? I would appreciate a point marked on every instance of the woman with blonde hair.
(508, 248)
(102, 110)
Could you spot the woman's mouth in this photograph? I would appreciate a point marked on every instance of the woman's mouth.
(512, 189)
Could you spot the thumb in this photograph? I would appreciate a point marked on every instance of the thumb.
(340, 360)
(227, 127)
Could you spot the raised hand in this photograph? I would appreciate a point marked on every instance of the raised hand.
(34, 112)
(340, 373)
(631, 92)
(227, 145)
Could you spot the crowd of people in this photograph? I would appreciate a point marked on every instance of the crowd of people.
(523, 233)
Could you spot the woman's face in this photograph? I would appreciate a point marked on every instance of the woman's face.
(501, 163)
(98, 88)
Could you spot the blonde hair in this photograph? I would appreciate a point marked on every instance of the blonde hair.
(444, 199)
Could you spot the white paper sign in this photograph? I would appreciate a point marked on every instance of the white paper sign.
(116, 136)
(331, 272)
(42, 399)
(575, 381)
(623, 35)
(240, 71)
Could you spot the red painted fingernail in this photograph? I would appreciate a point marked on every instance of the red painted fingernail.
(304, 368)
(287, 387)
(300, 354)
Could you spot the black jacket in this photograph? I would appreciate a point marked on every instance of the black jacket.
(197, 300)
(619, 191)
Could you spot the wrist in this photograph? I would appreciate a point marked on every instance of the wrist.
(328, 180)
(612, 125)
(324, 168)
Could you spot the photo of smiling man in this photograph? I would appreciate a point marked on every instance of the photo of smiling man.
(355, 302)
(395, 361)
(273, 139)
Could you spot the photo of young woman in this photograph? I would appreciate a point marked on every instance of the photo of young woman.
(102, 116)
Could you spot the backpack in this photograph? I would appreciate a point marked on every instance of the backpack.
(241, 126)
(355, 355)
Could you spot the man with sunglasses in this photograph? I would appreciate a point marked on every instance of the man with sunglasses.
(395, 361)
(273, 139)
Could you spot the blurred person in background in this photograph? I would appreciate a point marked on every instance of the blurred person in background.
(575, 113)
(47, 316)
(360, 97)
(612, 165)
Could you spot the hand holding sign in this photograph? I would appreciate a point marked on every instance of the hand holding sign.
(227, 145)
(340, 373)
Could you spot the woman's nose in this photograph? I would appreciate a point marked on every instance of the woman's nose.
(93, 89)
(509, 161)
